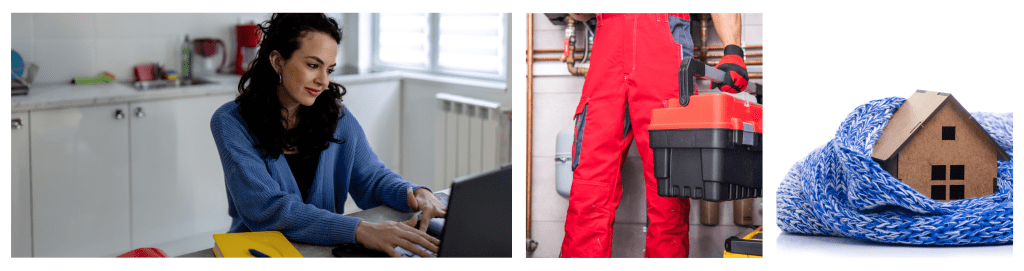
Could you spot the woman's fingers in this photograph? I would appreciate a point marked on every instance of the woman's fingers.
(430, 239)
(423, 239)
(433, 209)
(411, 238)
(390, 250)
(416, 250)
(435, 241)
(388, 236)
(424, 221)
(411, 222)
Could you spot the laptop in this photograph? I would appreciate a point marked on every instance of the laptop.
(479, 219)
(478, 223)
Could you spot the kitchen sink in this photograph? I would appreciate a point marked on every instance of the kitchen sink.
(158, 84)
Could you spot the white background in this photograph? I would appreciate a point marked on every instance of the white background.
(821, 65)
(823, 58)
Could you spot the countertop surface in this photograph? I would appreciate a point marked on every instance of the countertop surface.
(57, 95)
(66, 95)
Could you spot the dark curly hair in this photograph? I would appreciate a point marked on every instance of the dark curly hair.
(258, 101)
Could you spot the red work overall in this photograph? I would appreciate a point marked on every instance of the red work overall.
(634, 70)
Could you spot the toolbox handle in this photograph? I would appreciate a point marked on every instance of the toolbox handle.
(690, 69)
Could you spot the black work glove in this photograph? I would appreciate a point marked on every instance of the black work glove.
(733, 65)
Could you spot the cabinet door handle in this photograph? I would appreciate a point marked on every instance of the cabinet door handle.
(139, 113)
(119, 114)
(16, 124)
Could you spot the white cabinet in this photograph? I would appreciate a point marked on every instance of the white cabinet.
(177, 185)
(21, 202)
(104, 180)
(80, 200)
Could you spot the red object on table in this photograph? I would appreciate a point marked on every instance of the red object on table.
(146, 252)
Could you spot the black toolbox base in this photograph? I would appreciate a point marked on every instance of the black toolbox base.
(710, 164)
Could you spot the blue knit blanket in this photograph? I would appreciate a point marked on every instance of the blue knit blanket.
(837, 190)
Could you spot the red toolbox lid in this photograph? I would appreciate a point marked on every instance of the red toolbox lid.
(707, 111)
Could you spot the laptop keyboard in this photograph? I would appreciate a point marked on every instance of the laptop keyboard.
(408, 254)
(442, 197)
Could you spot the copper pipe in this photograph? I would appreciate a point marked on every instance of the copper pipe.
(531, 245)
(537, 51)
(709, 213)
(742, 212)
(703, 39)
(551, 58)
(570, 59)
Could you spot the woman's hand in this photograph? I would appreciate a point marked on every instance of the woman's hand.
(424, 201)
(388, 235)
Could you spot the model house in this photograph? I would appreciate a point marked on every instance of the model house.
(934, 145)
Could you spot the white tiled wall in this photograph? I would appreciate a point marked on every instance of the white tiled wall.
(67, 45)
(554, 101)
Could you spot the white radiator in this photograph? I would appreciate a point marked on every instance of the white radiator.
(471, 136)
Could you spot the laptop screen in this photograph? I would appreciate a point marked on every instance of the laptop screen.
(479, 219)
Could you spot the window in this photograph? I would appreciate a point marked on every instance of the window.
(938, 173)
(403, 39)
(956, 192)
(948, 132)
(466, 44)
(939, 192)
(956, 172)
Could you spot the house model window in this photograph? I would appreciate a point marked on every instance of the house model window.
(939, 192)
(956, 172)
(923, 147)
(956, 192)
(948, 132)
(938, 173)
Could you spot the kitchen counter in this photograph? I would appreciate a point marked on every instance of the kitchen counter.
(59, 95)
(66, 95)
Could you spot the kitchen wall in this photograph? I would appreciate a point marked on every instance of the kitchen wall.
(555, 96)
(68, 45)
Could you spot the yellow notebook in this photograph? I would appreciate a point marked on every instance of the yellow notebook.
(236, 245)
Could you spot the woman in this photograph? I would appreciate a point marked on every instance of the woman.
(291, 151)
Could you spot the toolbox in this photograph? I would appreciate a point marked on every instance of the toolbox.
(707, 146)
(748, 246)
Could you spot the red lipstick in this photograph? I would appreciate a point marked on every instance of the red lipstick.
(313, 92)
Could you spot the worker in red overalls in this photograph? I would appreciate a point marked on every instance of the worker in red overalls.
(634, 70)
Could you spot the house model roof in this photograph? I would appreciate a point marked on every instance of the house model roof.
(915, 113)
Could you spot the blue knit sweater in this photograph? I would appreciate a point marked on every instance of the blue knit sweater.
(263, 195)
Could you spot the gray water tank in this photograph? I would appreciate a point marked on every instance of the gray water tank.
(563, 161)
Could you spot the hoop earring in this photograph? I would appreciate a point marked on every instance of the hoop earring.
(280, 79)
